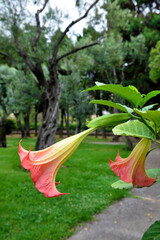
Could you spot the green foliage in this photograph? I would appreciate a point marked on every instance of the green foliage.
(134, 128)
(109, 120)
(146, 108)
(71, 98)
(19, 91)
(114, 105)
(154, 116)
(148, 97)
(130, 93)
(154, 63)
(146, 125)
(118, 18)
(153, 232)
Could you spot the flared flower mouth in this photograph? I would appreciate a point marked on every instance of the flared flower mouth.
(45, 163)
(132, 168)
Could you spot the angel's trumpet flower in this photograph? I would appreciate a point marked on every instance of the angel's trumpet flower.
(45, 163)
(132, 168)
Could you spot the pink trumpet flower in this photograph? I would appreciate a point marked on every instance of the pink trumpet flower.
(131, 169)
(45, 163)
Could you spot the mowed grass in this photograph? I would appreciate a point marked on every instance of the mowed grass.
(27, 214)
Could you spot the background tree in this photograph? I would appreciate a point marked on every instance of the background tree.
(73, 101)
(18, 93)
(154, 63)
(146, 20)
(30, 41)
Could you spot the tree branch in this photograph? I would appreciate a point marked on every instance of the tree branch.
(107, 75)
(36, 38)
(36, 68)
(10, 59)
(115, 75)
(67, 29)
(64, 72)
(76, 50)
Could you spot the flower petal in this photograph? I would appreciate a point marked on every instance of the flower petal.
(122, 169)
(140, 178)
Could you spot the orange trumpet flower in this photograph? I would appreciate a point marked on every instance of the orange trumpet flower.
(45, 163)
(131, 169)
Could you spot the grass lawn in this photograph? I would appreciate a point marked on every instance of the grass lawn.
(26, 213)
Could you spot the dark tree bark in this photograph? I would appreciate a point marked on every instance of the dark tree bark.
(46, 133)
(27, 125)
(2, 133)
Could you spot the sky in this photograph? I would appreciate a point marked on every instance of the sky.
(68, 6)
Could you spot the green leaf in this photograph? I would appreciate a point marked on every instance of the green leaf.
(149, 96)
(153, 172)
(150, 172)
(130, 93)
(153, 232)
(134, 128)
(154, 116)
(121, 185)
(119, 106)
(146, 108)
(109, 120)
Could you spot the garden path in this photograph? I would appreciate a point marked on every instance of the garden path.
(129, 218)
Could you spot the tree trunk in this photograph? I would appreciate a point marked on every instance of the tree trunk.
(2, 133)
(62, 120)
(67, 122)
(78, 127)
(27, 128)
(21, 128)
(36, 120)
(47, 131)
(103, 133)
(35, 124)
(129, 144)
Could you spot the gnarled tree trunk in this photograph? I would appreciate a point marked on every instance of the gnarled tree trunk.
(46, 133)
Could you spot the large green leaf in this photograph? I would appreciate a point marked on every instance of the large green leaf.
(134, 128)
(119, 106)
(109, 120)
(130, 93)
(151, 115)
(150, 172)
(153, 232)
(146, 108)
(149, 96)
